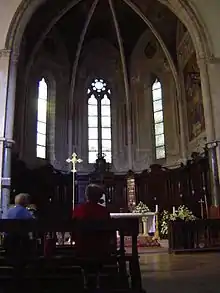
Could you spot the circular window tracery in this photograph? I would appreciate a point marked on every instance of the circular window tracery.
(99, 85)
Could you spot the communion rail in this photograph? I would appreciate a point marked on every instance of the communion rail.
(57, 269)
(194, 236)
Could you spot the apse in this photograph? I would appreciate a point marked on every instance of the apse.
(110, 69)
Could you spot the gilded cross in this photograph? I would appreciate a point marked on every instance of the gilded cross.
(74, 160)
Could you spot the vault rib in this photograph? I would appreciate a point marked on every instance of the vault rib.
(46, 32)
(74, 70)
(171, 64)
(126, 84)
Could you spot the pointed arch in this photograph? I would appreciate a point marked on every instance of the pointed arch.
(158, 119)
(46, 113)
(42, 102)
(99, 121)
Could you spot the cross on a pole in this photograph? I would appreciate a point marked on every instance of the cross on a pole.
(201, 207)
(74, 160)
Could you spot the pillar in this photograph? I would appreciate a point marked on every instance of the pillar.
(181, 99)
(8, 68)
(213, 149)
(213, 133)
(207, 99)
(4, 68)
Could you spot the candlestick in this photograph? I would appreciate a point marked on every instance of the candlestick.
(174, 210)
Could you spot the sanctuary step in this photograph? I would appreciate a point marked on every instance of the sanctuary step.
(142, 241)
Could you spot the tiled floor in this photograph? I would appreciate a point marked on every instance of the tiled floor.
(195, 273)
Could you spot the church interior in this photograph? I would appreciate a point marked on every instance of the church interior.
(88, 84)
(124, 94)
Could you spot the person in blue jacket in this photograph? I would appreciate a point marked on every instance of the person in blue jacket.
(19, 211)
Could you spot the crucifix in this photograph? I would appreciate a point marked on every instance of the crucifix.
(74, 160)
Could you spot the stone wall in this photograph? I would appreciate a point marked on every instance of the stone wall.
(53, 65)
(98, 60)
(146, 63)
(195, 140)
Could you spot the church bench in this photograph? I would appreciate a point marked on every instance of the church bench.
(194, 236)
(114, 272)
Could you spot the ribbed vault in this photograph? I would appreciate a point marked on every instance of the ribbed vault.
(72, 19)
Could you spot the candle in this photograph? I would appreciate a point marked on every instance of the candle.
(174, 210)
(156, 209)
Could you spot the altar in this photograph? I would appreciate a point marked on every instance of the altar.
(148, 231)
(147, 220)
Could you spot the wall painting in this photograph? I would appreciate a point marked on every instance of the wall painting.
(194, 104)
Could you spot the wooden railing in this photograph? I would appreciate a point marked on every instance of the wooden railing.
(51, 190)
(193, 236)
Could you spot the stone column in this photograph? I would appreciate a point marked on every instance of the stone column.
(210, 93)
(214, 157)
(181, 99)
(4, 69)
(7, 137)
(213, 132)
(207, 100)
(6, 176)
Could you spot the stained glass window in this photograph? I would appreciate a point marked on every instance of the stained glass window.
(158, 120)
(99, 121)
(42, 119)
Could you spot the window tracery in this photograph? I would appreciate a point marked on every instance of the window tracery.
(42, 119)
(158, 120)
(99, 121)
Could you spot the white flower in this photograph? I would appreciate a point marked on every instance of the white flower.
(182, 213)
(141, 208)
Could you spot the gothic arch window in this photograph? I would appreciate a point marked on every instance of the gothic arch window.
(42, 119)
(157, 94)
(45, 146)
(99, 121)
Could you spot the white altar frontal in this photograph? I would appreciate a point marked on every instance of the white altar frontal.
(149, 220)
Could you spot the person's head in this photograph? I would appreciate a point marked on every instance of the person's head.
(22, 199)
(94, 192)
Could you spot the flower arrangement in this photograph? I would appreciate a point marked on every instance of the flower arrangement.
(182, 213)
(141, 208)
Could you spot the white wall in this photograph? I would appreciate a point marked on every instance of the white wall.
(209, 12)
(7, 11)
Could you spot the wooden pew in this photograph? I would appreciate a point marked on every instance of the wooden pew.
(194, 236)
(62, 269)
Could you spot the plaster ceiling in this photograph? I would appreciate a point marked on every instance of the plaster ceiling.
(71, 24)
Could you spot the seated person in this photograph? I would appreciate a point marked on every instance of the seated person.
(95, 243)
(17, 244)
(19, 211)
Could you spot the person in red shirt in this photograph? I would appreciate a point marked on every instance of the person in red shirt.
(93, 246)
(92, 243)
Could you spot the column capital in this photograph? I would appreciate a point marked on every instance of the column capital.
(5, 53)
(208, 59)
(7, 142)
(14, 57)
(212, 144)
